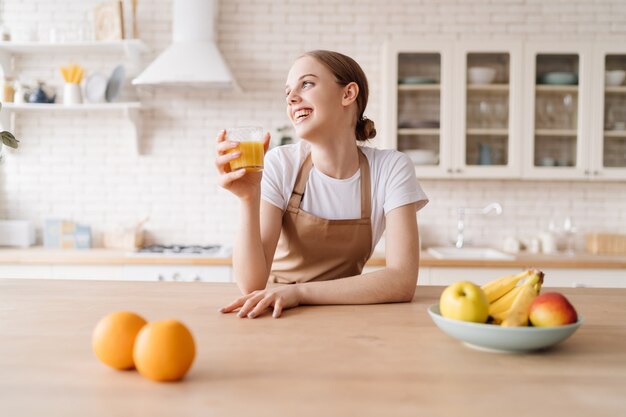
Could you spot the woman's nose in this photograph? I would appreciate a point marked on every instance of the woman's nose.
(292, 97)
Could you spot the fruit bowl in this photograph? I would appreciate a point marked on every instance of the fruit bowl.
(496, 338)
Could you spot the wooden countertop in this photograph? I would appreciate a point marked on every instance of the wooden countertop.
(39, 255)
(375, 360)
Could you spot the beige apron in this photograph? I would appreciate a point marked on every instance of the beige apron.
(314, 249)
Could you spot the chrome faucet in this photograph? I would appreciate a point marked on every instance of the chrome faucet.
(462, 211)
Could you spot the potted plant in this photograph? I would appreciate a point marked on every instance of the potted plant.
(7, 139)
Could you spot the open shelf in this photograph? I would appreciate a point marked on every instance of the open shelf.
(556, 88)
(130, 47)
(488, 131)
(130, 109)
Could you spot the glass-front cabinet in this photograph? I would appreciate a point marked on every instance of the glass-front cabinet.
(506, 109)
(417, 107)
(487, 109)
(557, 111)
(608, 129)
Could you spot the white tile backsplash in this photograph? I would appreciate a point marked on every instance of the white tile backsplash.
(81, 166)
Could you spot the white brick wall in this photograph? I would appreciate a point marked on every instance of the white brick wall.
(81, 166)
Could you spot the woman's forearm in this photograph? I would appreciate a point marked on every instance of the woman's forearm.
(386, 285)
(249, 264)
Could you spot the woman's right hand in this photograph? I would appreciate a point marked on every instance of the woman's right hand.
(242, 183)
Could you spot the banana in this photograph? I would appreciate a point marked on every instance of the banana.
(498, 287)
(504, 303)
(518, 313)
(500, 308)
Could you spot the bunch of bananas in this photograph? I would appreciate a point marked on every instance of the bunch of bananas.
(509, 303)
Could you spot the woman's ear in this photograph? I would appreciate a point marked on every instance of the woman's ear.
(350, 93)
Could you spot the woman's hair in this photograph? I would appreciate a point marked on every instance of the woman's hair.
(347, 70)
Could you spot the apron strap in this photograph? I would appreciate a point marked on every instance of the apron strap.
(303, 177)
(366, 193)
(301, 180)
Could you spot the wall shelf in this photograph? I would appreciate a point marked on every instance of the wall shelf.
(131, 47)
(488, 132)
(130, 109)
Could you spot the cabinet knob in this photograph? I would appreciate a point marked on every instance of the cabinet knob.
(449, 170)
(197, 278)
(587, 172)
(596, 172)
(458, 170)
(160, 278)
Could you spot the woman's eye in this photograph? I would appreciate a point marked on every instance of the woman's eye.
(306, 83)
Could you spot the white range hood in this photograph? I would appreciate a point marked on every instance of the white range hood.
(193, 58)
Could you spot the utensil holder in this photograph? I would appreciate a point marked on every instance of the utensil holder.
(72, 94)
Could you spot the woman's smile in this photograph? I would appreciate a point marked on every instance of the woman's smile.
(299, 115)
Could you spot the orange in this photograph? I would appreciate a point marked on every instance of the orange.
(164, 350)
(114, 337)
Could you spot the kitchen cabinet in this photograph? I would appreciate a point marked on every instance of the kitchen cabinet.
(452, 125)
(554, 277)
(529, 122)
(130, 48)
(557, 110)
(607, 150)
(179, 273)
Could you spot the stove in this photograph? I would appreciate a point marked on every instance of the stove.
(212, 251)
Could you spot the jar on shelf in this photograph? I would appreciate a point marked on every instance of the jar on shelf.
(7, 90)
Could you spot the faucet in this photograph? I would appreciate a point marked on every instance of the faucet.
(462, 211)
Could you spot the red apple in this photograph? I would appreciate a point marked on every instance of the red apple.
(552, 309)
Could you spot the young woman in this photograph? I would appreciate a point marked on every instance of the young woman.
(314, 216)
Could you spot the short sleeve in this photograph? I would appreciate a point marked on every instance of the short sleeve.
(401, 186)
(273, 180)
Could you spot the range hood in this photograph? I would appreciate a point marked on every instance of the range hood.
(193, 58)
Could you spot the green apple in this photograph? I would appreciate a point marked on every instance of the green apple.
(465, 301)
(552, 309)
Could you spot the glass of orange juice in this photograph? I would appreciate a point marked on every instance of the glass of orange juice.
(250, 140)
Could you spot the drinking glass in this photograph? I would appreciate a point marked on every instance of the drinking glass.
(250, 140)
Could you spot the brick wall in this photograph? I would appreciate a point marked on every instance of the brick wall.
(81, 165)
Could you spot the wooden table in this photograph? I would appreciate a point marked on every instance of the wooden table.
(378, 360)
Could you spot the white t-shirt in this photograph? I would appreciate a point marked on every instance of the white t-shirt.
(393, 184)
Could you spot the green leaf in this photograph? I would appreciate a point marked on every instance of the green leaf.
(9, 140)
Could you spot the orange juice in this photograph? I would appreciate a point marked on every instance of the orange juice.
(251, 156)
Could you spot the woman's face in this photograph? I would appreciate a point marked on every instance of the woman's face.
(314, 99)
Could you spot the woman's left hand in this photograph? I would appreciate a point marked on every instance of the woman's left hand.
(257, 302)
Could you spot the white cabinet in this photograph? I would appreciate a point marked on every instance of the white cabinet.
(452, 125)
(173, 273)
(557, 110)
(608, 128)
(546, 114)
(177, 273)
(554, 277)
(131, 48)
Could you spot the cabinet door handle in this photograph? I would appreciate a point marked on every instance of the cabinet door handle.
(596, 172)
(449, 170)
(160, 278)
(459, 170)
(197, 278)
(587, 172)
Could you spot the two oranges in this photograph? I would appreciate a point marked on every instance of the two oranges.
(161, 350)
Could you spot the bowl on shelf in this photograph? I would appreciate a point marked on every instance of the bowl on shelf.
(481, 75)
(558, 78)
(494, 338)
(421, 156)
(614, 78)
(417, 80)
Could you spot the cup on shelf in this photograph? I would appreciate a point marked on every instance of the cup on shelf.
(72, 94)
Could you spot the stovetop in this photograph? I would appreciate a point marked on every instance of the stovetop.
(216, 251)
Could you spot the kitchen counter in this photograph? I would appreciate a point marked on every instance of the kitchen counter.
(374, 360)
(39, 255)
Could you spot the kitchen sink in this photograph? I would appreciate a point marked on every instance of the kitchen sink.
(449, 252)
